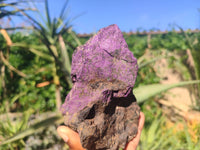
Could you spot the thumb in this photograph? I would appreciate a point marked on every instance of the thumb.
(70, 137)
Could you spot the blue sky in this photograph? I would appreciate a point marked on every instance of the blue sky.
(130, 15)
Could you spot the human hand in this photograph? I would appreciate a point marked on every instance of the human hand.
(73, 140)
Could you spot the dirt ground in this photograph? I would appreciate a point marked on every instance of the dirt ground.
(178, 100)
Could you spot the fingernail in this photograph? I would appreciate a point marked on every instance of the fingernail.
(64, 137)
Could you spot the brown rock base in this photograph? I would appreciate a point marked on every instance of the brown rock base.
(104, 126)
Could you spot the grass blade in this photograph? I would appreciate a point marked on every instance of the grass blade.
(6, 62)
(143, 64)
(64, 54)
(33, 50)
(63, 10)
(6, 37)
(47, 13)
(37, 127)
(145, 92)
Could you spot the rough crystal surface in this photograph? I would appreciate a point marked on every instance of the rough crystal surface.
(100, 105)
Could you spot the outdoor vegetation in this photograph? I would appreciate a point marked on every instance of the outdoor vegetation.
(35, 79)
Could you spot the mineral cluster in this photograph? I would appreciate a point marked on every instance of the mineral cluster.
(101, 106)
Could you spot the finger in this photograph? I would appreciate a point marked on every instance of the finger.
(132, 145)
(141, 121)
(70, 137)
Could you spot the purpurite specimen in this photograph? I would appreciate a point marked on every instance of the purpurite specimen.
(101, 106)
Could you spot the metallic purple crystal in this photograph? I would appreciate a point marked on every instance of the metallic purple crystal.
(102, 66)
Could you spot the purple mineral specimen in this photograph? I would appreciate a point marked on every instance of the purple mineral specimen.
(100, 105)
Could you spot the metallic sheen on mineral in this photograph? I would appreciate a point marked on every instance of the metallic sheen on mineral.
(101, 106)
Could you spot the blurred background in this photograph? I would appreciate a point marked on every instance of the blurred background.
(38, 37)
